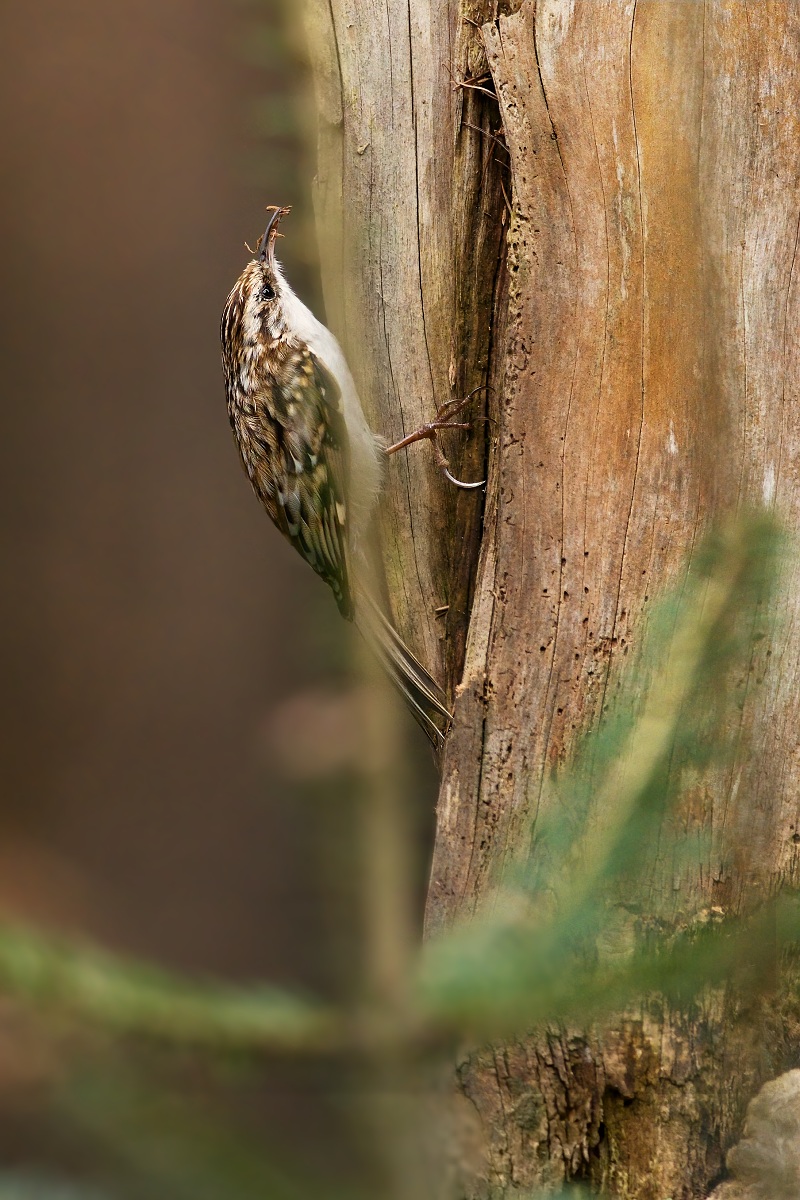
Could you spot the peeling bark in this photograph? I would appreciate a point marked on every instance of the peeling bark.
(639, 324)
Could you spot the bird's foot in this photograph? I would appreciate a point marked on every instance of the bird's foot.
(445, 419)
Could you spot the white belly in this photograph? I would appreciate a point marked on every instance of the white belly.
(366, 455)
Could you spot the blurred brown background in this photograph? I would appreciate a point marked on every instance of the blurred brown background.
(153, 623)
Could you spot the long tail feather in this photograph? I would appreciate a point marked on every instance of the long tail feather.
(422, 693)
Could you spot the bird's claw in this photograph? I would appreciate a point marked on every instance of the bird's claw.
(444, 419)
(468, 487)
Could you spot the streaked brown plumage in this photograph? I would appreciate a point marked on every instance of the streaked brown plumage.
(285, 410)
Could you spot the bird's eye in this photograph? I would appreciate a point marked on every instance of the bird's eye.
(267, 292)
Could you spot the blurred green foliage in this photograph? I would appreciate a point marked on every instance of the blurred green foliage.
(34, 1185)
(570, 934)
(139, 998)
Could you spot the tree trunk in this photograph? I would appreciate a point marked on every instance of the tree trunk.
(638, 326)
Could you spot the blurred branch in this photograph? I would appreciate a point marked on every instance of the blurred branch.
(482, 984)
(26, 1185)
(509, 982)
(124, 997)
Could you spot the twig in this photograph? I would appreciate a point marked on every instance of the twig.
(494, 137)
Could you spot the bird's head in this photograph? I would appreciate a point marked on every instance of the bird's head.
(254, 310)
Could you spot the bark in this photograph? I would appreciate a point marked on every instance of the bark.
(639, 325)
(409, 207)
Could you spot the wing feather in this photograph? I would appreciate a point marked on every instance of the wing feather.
(304, 482)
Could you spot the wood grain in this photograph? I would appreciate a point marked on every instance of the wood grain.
(639, 328)
(418, 232)
(651, 347)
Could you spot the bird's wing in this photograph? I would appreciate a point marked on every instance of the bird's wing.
(310, 466)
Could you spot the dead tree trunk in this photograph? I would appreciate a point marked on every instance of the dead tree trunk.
(594, 209)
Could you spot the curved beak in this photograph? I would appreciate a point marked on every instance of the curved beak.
(266, 247)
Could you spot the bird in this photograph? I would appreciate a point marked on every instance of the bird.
(311, 457)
